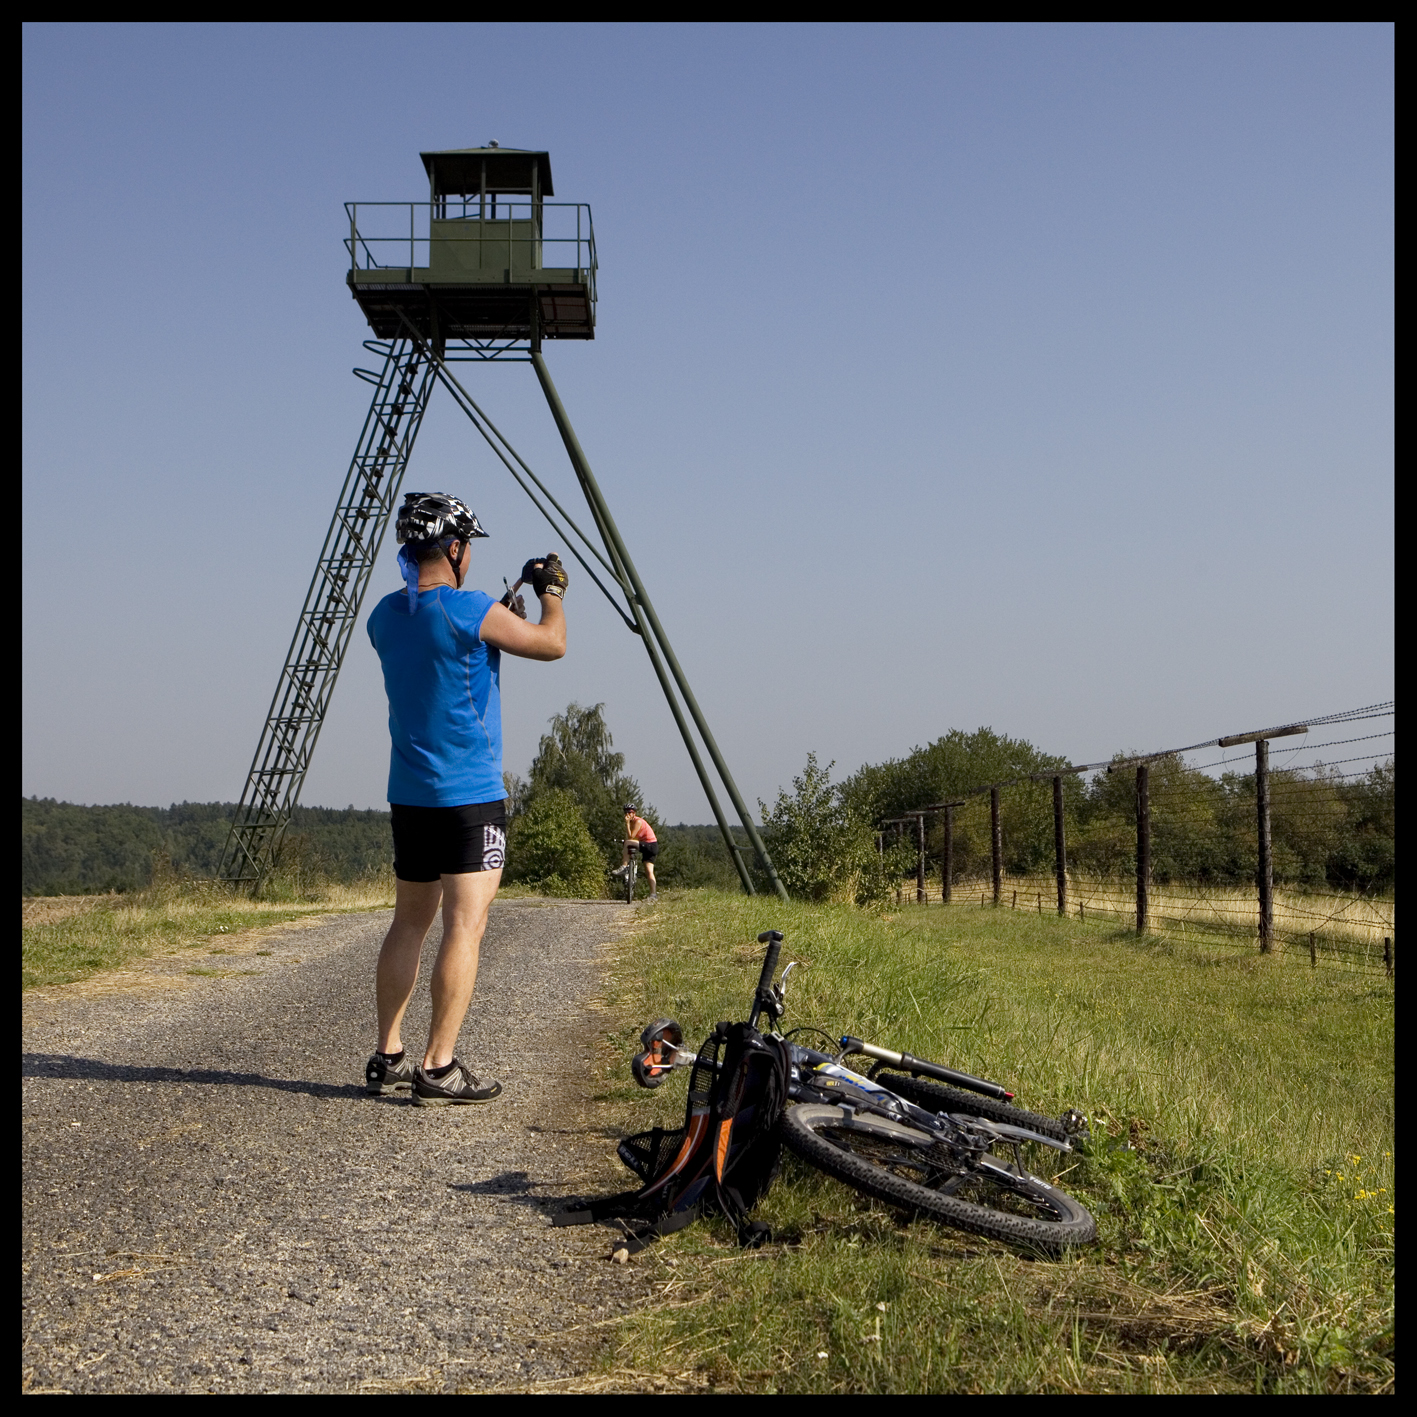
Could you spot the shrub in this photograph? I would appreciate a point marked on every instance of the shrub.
(823, 848)
(550, 849)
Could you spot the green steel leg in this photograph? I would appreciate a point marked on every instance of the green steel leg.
(614, 542)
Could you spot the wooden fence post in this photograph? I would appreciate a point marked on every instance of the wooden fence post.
(998, 843)
(1387, 954)
(1143, 843)
(1060, 845)
(1313, 951)
(920, 858)
(1264, 875)
(947, 860)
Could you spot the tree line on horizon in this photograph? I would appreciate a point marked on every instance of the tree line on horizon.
(566, 823)
(1327, 830)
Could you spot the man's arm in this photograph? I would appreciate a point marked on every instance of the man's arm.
(520, 637)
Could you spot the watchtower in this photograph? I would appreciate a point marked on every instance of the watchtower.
(486, 257)
(483, 271)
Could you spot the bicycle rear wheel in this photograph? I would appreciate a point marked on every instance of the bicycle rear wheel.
(935, 1097)
(885, 1159)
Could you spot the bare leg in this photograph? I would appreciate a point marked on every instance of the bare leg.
(466, 899)
(415, 905)
(649, 871)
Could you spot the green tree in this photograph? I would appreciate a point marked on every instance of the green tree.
(951, 766)
(1366, 858)
(550, 849)
(822, 846)
(1192, 834)
(578, 756)
(696, 856)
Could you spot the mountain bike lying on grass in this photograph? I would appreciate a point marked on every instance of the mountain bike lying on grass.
(912, 1133)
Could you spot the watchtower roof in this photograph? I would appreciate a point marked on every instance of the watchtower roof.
(457, 172)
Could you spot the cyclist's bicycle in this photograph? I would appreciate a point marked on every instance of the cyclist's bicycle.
(630, 870)
(912, 1133)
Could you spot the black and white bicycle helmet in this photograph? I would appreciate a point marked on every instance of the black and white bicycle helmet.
(429, 519)
(430, 516)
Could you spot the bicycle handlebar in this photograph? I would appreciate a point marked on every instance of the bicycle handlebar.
(773, 940)
(763, 1000)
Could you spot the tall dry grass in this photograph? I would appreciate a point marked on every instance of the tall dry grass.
(68, 938)
(1348, 929)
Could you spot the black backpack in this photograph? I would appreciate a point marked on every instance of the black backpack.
(721, 1161)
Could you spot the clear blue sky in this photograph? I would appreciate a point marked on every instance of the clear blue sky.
(1036, 377)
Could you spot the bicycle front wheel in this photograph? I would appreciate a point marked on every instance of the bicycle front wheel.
(886, 1159)
(630, 883)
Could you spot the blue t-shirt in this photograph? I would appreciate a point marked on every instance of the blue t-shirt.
(445, 705)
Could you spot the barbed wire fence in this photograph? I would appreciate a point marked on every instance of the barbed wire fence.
(1229, 842)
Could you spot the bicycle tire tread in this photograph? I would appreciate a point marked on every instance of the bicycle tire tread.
(883, 1185)
(937, 1098)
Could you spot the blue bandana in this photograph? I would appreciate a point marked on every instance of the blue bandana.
(410, 578)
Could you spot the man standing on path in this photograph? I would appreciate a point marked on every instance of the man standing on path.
(637, 829)
(440, 648)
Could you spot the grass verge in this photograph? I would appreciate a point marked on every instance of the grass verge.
(68, 938)
(1240, 1166)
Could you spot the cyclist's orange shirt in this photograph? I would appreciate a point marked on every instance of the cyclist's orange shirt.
(642, 831)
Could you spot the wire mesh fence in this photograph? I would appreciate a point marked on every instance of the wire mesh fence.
(1249, 841)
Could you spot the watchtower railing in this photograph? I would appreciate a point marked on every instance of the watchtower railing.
(472, 238)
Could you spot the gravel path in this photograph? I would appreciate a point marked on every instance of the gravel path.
(212, 1204)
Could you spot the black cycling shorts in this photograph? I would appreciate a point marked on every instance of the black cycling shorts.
(430, 842)
(648, 851)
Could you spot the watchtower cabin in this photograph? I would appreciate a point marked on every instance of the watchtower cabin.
(487, 257)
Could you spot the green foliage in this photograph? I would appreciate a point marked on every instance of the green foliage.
(944, 770)
(1366, 857)
(550, 849)
(66, 849)
(1323, 830)
(695, 856)
(949, 769)
(1240, 1165)
(823, 848)
(577, 757)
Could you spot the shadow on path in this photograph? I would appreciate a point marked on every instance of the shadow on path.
(518, 1188)
(59, 1065)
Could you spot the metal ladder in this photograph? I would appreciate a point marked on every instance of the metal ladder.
(317, 649)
